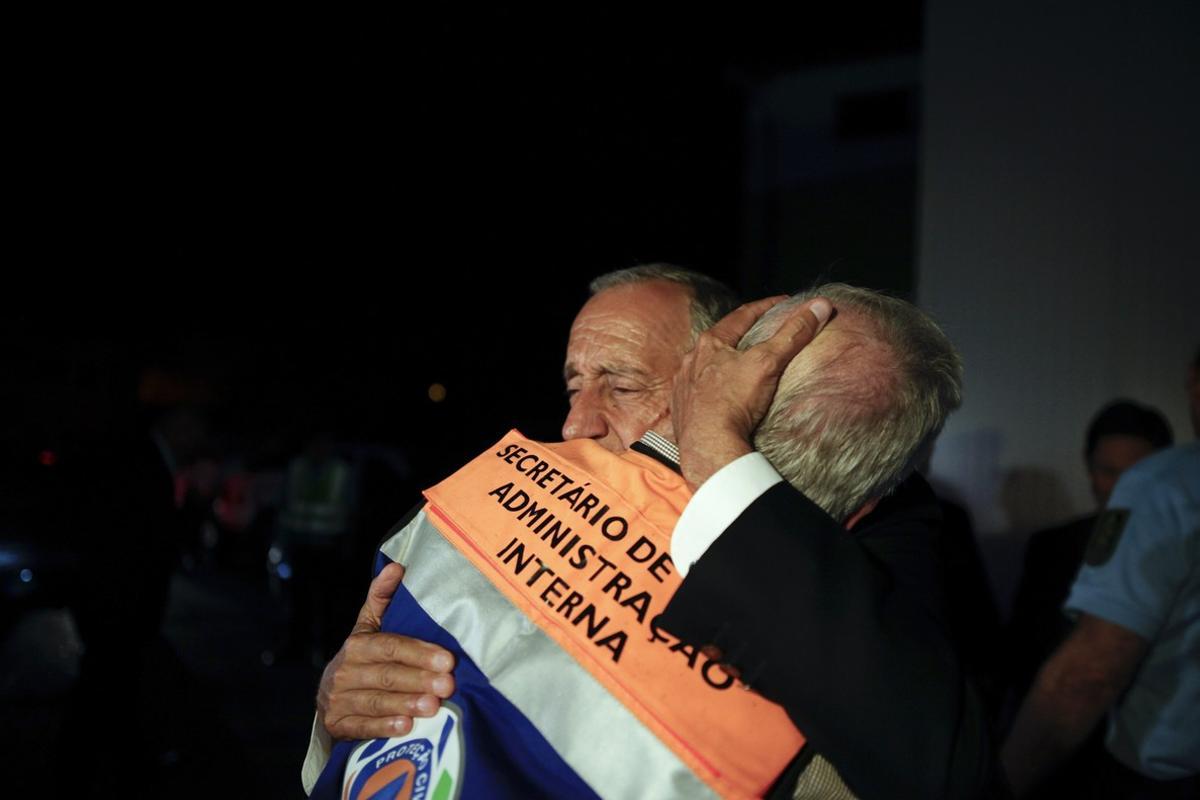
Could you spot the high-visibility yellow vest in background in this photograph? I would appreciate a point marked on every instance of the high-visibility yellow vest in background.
(318, 498)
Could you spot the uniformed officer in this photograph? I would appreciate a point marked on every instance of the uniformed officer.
(1135, 650)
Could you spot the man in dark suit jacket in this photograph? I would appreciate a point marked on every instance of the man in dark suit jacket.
(818, 594)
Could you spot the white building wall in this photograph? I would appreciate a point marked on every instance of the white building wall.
(1059, 237)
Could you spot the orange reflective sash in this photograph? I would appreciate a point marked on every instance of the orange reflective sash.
(578, 539)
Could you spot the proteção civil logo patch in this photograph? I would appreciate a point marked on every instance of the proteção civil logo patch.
(425, 764)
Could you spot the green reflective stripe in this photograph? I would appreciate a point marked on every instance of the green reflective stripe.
(445, 786)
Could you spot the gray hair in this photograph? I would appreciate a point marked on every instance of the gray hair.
(847, 429)
(711, 299)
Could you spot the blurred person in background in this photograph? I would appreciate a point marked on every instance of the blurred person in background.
(120, 491)
(316, 532)
(1133, 655)
(1119, 435)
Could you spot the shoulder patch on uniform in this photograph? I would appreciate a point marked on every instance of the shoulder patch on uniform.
(1106, 534)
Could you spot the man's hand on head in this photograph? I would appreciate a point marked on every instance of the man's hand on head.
(721, 394)
(378, 682)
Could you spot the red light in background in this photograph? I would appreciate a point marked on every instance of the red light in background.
(47, 458)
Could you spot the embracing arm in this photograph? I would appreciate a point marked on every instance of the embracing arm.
(377, 682)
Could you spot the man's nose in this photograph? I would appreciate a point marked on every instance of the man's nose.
(585, 420)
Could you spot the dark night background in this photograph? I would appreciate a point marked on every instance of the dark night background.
(325, 215)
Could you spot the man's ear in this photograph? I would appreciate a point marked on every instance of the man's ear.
(867, 508)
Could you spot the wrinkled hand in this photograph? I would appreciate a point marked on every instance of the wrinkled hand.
(378, 682)
(721, 395)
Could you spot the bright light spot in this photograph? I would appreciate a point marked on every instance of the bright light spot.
(285, 571)
(47, 458)
(437, 393)
(274, 555)
(26, 576)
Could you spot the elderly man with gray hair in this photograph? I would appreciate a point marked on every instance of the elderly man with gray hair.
(853, 413)
(843, 629)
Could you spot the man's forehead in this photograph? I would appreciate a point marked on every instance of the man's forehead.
(630, 329)
(613, 346)
(644, 303)
(619, 367)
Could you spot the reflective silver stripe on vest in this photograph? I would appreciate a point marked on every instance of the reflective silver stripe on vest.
(606, 745)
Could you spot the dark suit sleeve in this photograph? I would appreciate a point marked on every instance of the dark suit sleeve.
(842, 629)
